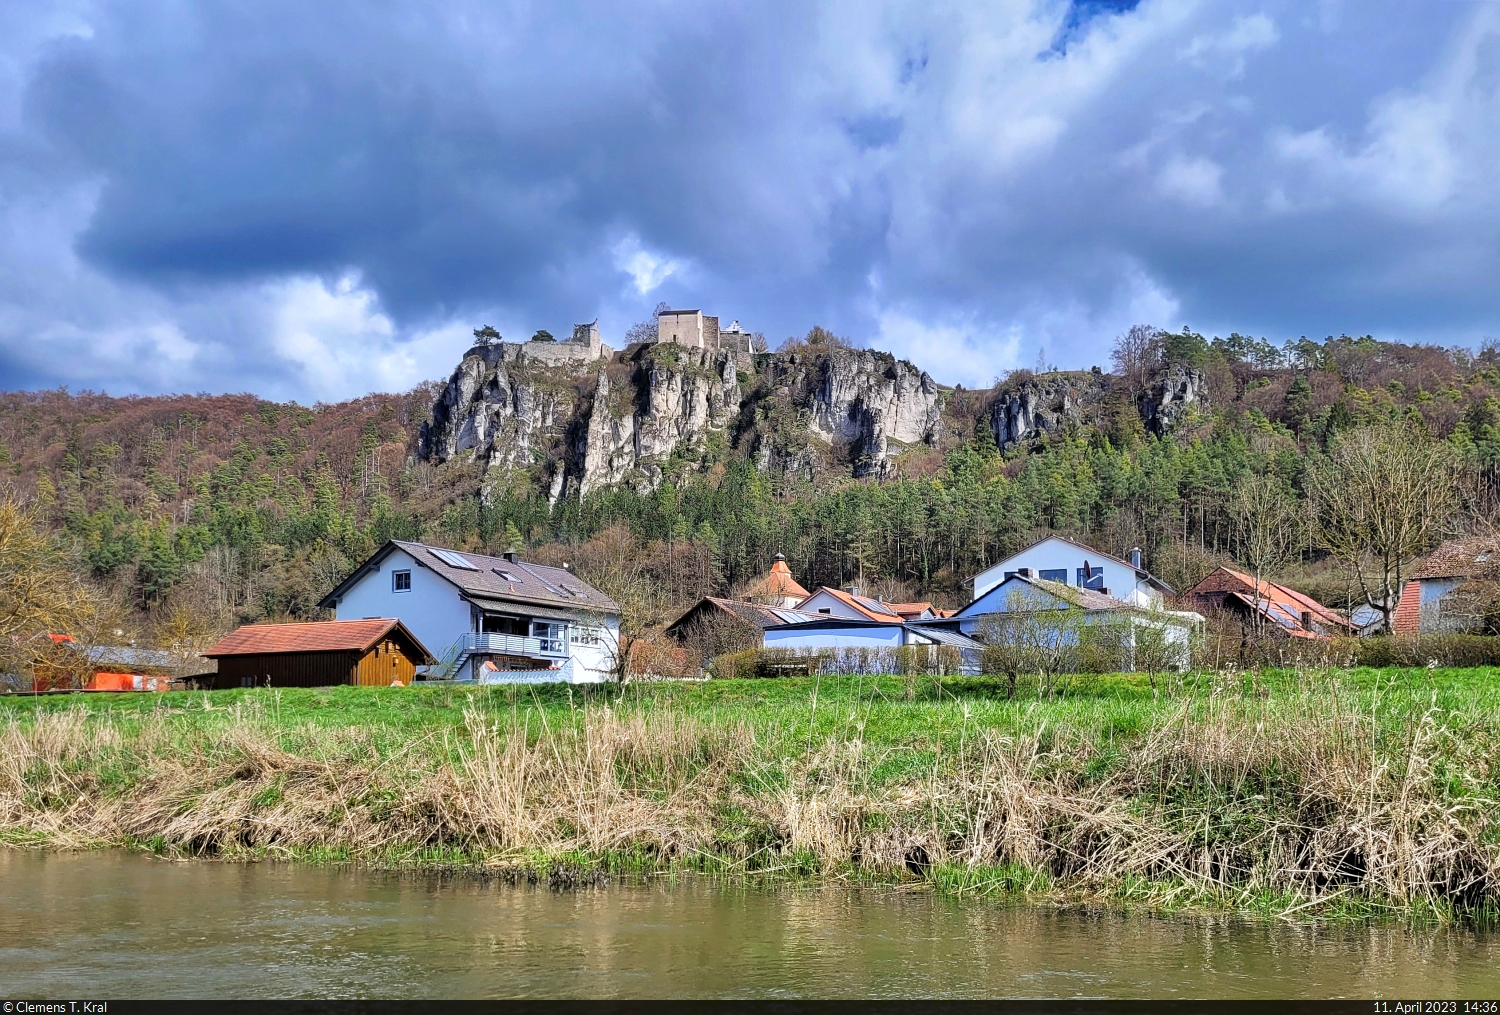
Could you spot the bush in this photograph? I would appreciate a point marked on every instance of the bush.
(1423, 650)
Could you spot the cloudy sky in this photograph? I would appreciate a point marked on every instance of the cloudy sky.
(315, 200)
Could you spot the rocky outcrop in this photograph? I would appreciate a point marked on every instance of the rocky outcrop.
(1044, 404)
(593, 426)
(867, 403)
(674, 396)
(1178, 389)
(494, 406)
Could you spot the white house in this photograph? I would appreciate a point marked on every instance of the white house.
(490, 619)
(1059, 559)
(1049, 603)
(875, 640)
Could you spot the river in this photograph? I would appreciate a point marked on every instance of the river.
(119, 925)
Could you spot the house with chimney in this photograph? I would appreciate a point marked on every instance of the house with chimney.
(1266, 605)
(1059, 559)
(488, 619)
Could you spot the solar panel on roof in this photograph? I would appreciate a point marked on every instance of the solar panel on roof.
(452, 559)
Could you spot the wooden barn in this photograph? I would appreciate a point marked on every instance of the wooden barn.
(371, 653)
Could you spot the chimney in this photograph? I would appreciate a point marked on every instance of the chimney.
(1024, 572)
(1307, 620)
(1135, 558)
(513, 556)
(853, 590)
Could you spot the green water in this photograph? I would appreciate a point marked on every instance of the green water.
(111, 925)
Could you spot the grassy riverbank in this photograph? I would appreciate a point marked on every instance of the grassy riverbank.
(1342, 793)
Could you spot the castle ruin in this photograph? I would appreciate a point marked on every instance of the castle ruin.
(697, 330)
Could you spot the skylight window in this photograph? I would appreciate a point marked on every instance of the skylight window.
(453, 559)
(504, 574)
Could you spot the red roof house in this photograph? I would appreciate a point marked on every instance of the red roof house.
(373, 652)
(1286, 609)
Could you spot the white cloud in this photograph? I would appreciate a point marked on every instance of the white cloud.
(647, 271)
(1226, 51)
(957, 350)
(1423, 148)
(1195, 181)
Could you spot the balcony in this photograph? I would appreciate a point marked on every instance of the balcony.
(513, 645)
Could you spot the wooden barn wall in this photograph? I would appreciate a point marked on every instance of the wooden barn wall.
(295, 669)
(384, 665)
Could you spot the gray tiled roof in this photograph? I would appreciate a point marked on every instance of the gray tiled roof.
(521, 581)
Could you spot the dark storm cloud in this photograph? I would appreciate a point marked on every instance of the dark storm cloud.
(318, 198)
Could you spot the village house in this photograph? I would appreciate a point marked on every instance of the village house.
(1266, 605)
(849, 604)
(713, 626)
(872, 644)
(1059, 559)
(1453, 590)
(1060, 613)
(493, 619)
(373, 652)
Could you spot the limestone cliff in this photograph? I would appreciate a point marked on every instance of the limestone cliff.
(1043, 404)
(816, 412)
(592, 426)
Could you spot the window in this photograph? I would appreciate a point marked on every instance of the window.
(551, 635)
(585, 635)
(1057, 575)
(1093, 579)
(401, 581)
(826, 609)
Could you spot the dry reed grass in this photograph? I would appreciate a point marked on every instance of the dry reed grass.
(1226, 800)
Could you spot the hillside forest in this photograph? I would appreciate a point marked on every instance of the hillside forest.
(189, 514)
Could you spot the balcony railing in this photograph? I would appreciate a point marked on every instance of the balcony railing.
(513, 644)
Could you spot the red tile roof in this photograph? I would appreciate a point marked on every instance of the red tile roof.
(1408, 616)
(870, 609)
(1278, 603)
(322, 636)
(778, 584)
(1459, 558)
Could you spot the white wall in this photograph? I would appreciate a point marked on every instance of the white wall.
(435, 612)
(884, 636)
(1058, 554)
(432, 610)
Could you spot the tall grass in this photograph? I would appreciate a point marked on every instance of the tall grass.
(1303, 800)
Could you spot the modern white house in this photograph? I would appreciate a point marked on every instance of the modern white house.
(1059, 559)
(488, 619)
(1058, 612)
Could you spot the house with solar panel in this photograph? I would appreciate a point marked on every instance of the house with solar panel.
(491, 620)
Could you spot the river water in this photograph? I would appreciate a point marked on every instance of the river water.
(122, 926)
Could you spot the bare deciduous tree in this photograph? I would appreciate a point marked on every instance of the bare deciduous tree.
(1268, 528)
(1137, 355)
(1382, 497)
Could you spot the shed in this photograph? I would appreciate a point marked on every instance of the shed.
(376, 652)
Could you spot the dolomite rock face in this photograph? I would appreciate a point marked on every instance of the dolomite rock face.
(496, 409)
(1047, 403)
(586, 427)
(1043, 405)
(1178, 389)
(868, 403)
